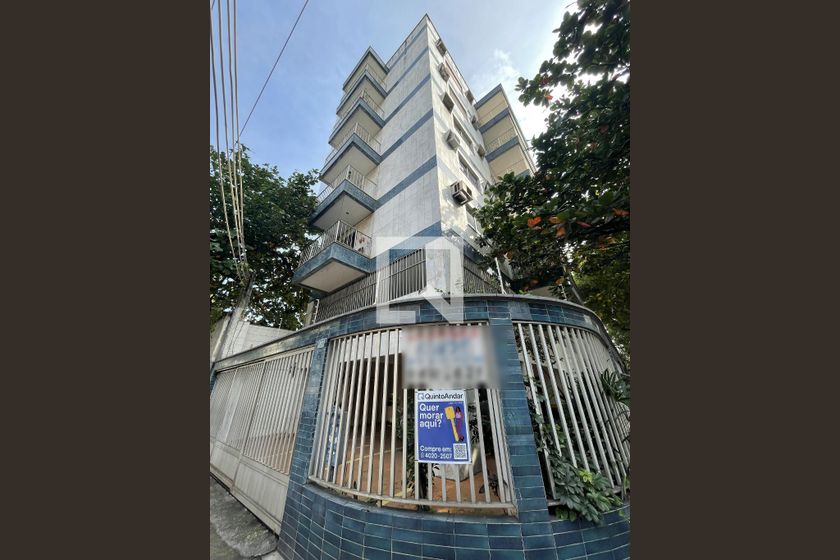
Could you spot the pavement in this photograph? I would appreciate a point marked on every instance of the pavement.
(235, 533)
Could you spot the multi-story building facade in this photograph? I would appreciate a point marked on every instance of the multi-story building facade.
(413, 152)
(315, 432)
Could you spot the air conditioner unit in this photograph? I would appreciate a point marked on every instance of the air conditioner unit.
(474, 121)
(461, 193)
(481, 151)
(440, 46)
(452, 139)
(444, 71)
(470, 96)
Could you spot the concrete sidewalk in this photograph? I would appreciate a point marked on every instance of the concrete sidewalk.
(235, 533)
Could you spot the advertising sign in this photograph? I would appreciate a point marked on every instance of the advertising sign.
(442, 429)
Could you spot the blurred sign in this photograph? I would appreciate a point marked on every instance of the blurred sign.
(442, 426)
(442, 356)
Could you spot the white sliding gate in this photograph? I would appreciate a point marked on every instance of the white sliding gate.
(254, 414)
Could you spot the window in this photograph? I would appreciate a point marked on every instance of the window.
(462, 132)
(472, 221)
(461, 105)
(470, 174)
(447, 102)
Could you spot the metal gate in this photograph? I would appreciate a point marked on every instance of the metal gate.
(364, 440)
(254, 415)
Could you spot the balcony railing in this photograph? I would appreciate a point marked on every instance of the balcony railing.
(504, 137)
(362, 133)
(405, 276)
(374, 75)
(361, 95)
(511, 168)
(353, 175)
(339, 233)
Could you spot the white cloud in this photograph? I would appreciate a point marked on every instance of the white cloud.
(501, 70)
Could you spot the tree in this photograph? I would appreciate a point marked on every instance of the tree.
(573, 215)
(276, 213)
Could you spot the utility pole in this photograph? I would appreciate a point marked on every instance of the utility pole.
(234, 318)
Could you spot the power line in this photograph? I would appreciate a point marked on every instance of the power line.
(218, 155)
(273, 67)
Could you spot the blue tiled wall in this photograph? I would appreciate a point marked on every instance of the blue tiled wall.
(320, 524)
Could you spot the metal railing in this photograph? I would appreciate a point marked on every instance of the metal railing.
(362, 133)
(363, 94)
(374, 75)
(254, 409)
(363, 445)
(340, 233)
(511, 168)
(503, 137)
(480, 281)
(562, 369)
(406, 275)
(353, 175)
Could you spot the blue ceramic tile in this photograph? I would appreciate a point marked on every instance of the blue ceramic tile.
(572, 537)
(506, 542)
(471, 554)
(571, 551)
(503, 529)
(539, 541)
(472, 541)
(351, 547)
(470, 528)
(378, 530)
(377, 554)
(541, 554)
(377, 542)
(443, 539)
(406, 547)
(507, 555)
(439, 552)
(437, 526)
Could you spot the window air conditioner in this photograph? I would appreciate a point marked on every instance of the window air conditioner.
(461, 193)
(444, 71)
(474, 121)
(470, 96)
(452, 139)
(481, 151)
(440, 46)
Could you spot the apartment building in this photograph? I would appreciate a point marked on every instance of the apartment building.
(318, 432)
(412, 152)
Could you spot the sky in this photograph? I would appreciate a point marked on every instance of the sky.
(491, 41)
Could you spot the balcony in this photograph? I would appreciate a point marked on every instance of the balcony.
(355, 147)
(371, 64)
(362, 110)
(337, 257)
(349, 198)
(502, 142)
(367, 80)
(519, 168)
(362, 95)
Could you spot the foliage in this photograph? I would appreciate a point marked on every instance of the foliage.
(573, 215)
(616, 387)
(580, 492)
(276, 213)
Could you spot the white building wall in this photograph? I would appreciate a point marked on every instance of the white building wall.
(241, 336)
(412, 182)
(412, 209)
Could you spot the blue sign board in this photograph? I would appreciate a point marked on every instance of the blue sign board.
(441, 426)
